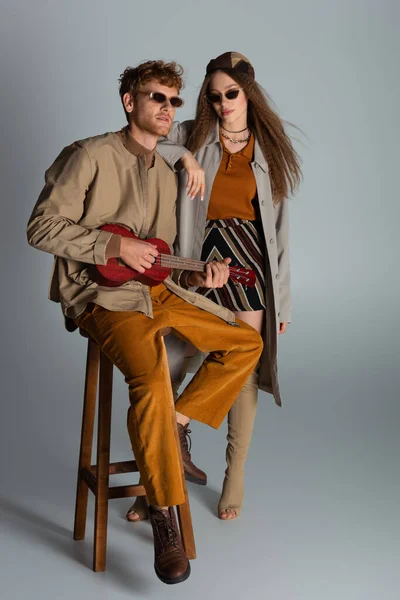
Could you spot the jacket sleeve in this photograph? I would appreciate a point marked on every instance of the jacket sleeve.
(54, 223)
(172, 147)
(282, 239)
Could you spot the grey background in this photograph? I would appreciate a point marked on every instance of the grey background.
(321, 518)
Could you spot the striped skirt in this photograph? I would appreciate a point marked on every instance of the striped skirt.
(241, 241)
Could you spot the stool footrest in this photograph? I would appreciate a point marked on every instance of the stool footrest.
(126, 491)
(89, 479)
(126, 466)
(118, 491)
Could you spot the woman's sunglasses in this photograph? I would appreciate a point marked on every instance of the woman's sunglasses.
(159, 97)
(215, 98)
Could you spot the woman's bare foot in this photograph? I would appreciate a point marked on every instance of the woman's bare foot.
(132, 516)
(138, 511)
(227, 514)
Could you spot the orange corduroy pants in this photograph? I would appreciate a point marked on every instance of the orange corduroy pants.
(133, 342)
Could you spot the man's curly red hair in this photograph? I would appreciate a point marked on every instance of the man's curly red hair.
(133, 78)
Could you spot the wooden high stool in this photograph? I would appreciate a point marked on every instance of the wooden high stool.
(96, 477)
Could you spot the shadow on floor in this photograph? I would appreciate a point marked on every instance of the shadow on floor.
(29, 523)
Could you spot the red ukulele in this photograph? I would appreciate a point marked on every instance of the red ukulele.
(115, 272)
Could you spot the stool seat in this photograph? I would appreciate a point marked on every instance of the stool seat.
(99, 374)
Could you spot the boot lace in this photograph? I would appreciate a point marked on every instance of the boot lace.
(166, 531)
(186, 439)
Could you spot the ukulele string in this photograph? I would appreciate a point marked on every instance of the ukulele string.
(171, 261)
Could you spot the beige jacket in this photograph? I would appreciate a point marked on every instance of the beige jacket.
(105, 179)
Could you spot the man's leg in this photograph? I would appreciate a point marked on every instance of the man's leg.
(177, 363)
(134, 344)
(179, 354)
(233, 354)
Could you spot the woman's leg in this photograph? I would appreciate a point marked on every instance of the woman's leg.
(240, 428)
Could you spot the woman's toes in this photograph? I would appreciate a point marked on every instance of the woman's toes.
(228, 514)
(132, 516)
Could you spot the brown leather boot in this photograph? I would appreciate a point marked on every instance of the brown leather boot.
(170, 561)
(192, 473)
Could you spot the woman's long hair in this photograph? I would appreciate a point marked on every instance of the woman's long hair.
(283, 161)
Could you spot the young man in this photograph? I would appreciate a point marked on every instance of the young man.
(119, 178)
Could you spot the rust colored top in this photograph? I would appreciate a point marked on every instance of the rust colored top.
(234, 185)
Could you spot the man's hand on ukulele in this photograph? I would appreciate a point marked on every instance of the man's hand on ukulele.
(216, 275)
(138, 254)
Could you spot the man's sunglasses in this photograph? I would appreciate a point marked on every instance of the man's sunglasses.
(159, 97)
(215, 98)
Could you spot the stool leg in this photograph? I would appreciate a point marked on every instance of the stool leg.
(103, 462)
(184, 516)
(186, 527)
(85, 452)
(185, 522)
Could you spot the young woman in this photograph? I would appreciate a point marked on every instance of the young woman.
(242, 161)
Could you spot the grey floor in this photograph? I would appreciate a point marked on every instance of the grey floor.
(321, 516)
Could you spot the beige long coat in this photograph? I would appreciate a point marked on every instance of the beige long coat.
(191, 225)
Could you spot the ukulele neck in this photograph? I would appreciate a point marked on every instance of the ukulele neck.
(178, 262)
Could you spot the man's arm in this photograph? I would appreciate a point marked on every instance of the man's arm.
(172, 147)
(53, 225)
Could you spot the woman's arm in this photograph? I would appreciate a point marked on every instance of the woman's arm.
(177, 156)
(172, 147)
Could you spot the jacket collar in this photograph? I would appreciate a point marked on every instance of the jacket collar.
(135, 148)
